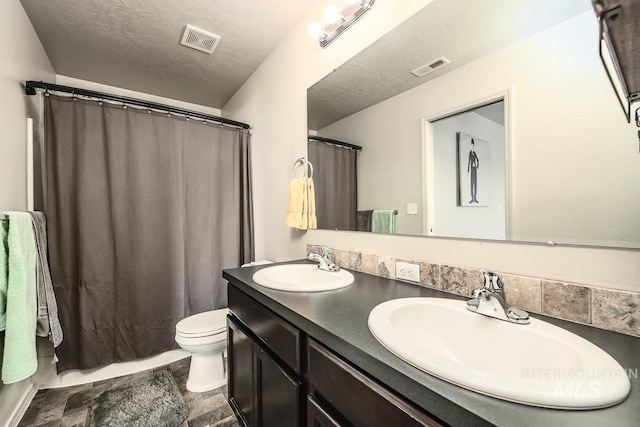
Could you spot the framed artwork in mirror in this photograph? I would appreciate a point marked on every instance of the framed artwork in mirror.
(474, 171)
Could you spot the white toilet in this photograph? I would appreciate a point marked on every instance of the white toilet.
(204, 335)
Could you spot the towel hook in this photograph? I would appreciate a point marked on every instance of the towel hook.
(302, 161)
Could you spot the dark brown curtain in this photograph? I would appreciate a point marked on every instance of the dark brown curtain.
(336, 184)
(144, 211)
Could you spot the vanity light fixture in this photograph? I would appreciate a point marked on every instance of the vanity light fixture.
(338, 21)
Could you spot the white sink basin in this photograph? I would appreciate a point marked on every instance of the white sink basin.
(302, 278)
(537, 364)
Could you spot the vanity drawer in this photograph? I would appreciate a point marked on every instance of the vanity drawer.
(318, 417)
(357, 398)
(275, 333)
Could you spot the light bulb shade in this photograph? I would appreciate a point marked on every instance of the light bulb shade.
(338, 21)
(331, 14)
(315, 30)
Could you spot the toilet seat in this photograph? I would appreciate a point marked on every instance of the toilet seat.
(204, 335)
(203, 324)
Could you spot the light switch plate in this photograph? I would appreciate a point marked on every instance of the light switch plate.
(412, 209)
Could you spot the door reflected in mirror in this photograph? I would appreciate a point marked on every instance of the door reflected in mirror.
(466, 174)
(571, 160)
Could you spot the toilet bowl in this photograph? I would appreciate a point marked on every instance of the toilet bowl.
(204, 335)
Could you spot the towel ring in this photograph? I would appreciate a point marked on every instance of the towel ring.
(302, 161)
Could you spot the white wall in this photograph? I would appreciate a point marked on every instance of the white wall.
(23, 58)
(383, 164)
(273, 101)
(99, 87)
(574, 158)
(390, 167)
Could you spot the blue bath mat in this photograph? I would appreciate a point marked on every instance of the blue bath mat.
(151, 402)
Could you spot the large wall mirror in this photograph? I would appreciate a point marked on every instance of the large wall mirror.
(555, 159)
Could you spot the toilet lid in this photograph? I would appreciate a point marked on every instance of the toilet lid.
(206, 323)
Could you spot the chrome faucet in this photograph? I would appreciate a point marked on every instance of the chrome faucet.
(489, 301)
(324, 260)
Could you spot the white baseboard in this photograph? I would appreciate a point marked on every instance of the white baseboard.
(14, 401)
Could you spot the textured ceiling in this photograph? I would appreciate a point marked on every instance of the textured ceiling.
(460, 30)
(135, 44)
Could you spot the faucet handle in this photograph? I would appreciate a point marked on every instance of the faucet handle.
(517, 316)
(325, 251)
(492, 281)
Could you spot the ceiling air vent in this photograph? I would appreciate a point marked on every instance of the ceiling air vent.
(198, 39)
(431, 66)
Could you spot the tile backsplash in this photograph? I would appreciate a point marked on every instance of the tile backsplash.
(610, 309)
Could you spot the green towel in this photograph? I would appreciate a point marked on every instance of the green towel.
(4, 272)
(383, 221)
(19, 359)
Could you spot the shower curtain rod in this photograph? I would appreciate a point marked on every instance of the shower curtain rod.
(334, 142)
(32, 85)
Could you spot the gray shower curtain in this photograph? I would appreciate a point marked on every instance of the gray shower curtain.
(335, 176)
(144, 211)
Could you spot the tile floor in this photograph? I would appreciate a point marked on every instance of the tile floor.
(71, 406)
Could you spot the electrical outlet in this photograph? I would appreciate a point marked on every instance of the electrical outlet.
(406, 271)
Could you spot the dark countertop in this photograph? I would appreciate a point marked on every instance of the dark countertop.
(338, 319)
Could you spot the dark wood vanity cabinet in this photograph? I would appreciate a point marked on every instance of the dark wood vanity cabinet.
(277, 393)
(279, 377)
(318, 417)
(240, 372)
(354, 397)
(264, 391)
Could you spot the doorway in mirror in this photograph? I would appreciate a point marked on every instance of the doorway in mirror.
(464, 171)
